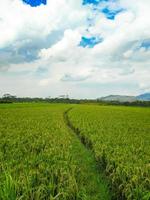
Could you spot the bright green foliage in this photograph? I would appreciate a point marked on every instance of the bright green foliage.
(120, 139)
(42, 159)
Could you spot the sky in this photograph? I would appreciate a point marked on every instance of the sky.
(83, 48)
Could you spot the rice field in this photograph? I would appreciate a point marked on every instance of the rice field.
(74, 152)
(41, 158)
(120, 139)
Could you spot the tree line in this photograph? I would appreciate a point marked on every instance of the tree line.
(7, 98)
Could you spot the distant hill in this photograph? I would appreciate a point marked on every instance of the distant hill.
(144, 97)
(120, 98)
(123, 98)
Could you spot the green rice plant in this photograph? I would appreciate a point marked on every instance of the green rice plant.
(42, 159)
(8, 190)
(120, 140)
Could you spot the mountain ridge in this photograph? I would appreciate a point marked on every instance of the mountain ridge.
(126, 98)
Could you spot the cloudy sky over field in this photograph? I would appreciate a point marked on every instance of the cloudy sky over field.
(84, 48)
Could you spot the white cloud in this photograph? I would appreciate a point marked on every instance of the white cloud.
(119, 59)
(44, 82)
(70, 40)
(20, 20)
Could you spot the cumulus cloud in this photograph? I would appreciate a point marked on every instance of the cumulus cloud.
(25, 30)
(51, 36)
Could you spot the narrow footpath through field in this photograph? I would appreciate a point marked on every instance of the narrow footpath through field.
(95, 184)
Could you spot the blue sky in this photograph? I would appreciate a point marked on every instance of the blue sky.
(84, 48)
(94, 2)
(111, 14)
(90, 42)
(34, 3)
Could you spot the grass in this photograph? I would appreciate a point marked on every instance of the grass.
(93, 178)
(42, 158)
(47, 153)
(120, 140)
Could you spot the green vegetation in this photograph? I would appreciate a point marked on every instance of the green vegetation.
(41, 158)
(58, 152)
(120, 139)
(7, 98)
